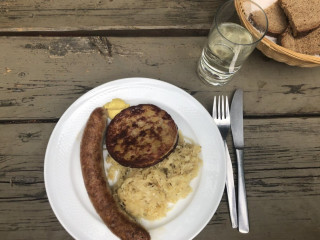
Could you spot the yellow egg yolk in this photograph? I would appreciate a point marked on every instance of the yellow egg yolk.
(115, 106)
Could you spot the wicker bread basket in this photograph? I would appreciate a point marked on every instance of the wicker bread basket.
(275, 51)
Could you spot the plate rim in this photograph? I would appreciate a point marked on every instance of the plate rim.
(88, 95)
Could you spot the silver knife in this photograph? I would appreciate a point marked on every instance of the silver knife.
(236, 113)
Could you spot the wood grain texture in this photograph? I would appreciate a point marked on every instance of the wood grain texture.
(68, 15)
(282, 163)
(42, 76)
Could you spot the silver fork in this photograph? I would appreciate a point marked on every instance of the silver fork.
(221, 117)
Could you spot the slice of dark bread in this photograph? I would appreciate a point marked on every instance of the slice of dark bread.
(303, 15)
(277, 20)
(308, 44)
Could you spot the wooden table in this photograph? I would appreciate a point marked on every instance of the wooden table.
(52, 52)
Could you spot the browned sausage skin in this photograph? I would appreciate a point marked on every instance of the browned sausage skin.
(96, 182)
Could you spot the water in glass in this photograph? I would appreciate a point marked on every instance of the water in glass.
(227, 48)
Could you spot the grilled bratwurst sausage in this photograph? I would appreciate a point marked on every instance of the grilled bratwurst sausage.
(96, 182)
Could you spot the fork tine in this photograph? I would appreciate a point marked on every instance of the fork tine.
(227, 108)
(214, 108)
(222, 108)
(219, 108)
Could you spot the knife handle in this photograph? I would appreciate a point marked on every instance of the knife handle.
(242, 199)
(231, 192)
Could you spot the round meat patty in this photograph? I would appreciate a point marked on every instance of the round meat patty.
(141, 136)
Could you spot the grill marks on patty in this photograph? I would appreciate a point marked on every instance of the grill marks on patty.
(141, 136)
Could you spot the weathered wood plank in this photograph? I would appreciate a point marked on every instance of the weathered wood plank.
(68, 15)
(280, 219)
(36, 71)
(282, 163)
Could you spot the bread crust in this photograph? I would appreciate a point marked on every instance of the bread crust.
(303, 16)
(308, 44)
(96, 183)
(277, 21)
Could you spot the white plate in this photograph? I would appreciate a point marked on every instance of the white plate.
(62, 172)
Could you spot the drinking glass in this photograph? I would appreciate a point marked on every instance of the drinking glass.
(229, 44)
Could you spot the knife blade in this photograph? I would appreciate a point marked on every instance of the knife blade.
(236, 114)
